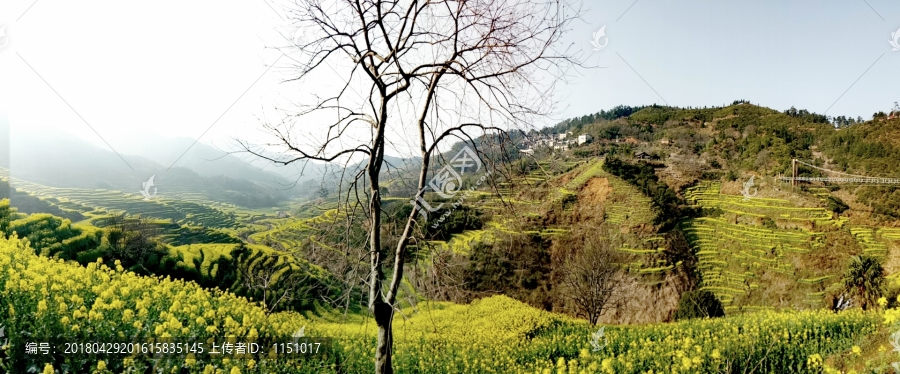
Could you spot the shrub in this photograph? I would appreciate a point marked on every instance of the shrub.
(698, 304)
(731, 176)
(712, 212)
(836, 205)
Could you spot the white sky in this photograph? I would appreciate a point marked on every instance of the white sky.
(173, 67)
(165, 67)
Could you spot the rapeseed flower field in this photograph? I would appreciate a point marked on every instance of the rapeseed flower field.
(44, 297)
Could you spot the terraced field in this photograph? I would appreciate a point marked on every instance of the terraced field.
(733, 257)
(210, 253)
(534, 178)
(98, 202)
(463, 242)
(647, 259)
(290, 235)
(591, 170)
(708, 195)
(627, 206)
(180, 218)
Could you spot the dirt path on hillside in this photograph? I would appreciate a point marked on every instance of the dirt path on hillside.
(595, 191)
(592, 199)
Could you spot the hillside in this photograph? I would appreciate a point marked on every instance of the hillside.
(726, 143)
(685, 225)
(661, 193)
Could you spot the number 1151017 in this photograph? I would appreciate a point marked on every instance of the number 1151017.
(296, 348)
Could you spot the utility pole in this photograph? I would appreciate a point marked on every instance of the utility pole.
(794, 172)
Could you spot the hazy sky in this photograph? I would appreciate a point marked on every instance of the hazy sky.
(174, 67)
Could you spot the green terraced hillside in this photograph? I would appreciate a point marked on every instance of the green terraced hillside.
(747, 265)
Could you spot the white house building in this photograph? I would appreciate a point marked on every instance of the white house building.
(584, 138)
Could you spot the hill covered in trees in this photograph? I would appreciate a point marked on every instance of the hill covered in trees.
(747, 139)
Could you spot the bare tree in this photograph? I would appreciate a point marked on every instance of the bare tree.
(592, 276)
(413, 72)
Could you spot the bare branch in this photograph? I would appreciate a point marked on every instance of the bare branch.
(460, 69)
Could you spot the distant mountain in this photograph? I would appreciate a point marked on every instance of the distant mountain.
(61, 160)
(314, 176)
(319, 172)
(203, 159)
(299, 172)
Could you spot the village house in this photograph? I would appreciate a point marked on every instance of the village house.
(584, 138)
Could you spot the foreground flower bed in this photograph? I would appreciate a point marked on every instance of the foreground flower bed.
(501, 335)
(41, 297)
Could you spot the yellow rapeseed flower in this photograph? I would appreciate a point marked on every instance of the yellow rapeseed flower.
(607, 366)
(814, 360)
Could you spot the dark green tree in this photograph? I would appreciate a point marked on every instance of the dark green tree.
(6, 216)
(698, 304)
(836, 205)
(864, 280)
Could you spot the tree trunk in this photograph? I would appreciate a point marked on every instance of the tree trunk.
(382, 307)
(384, 316)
